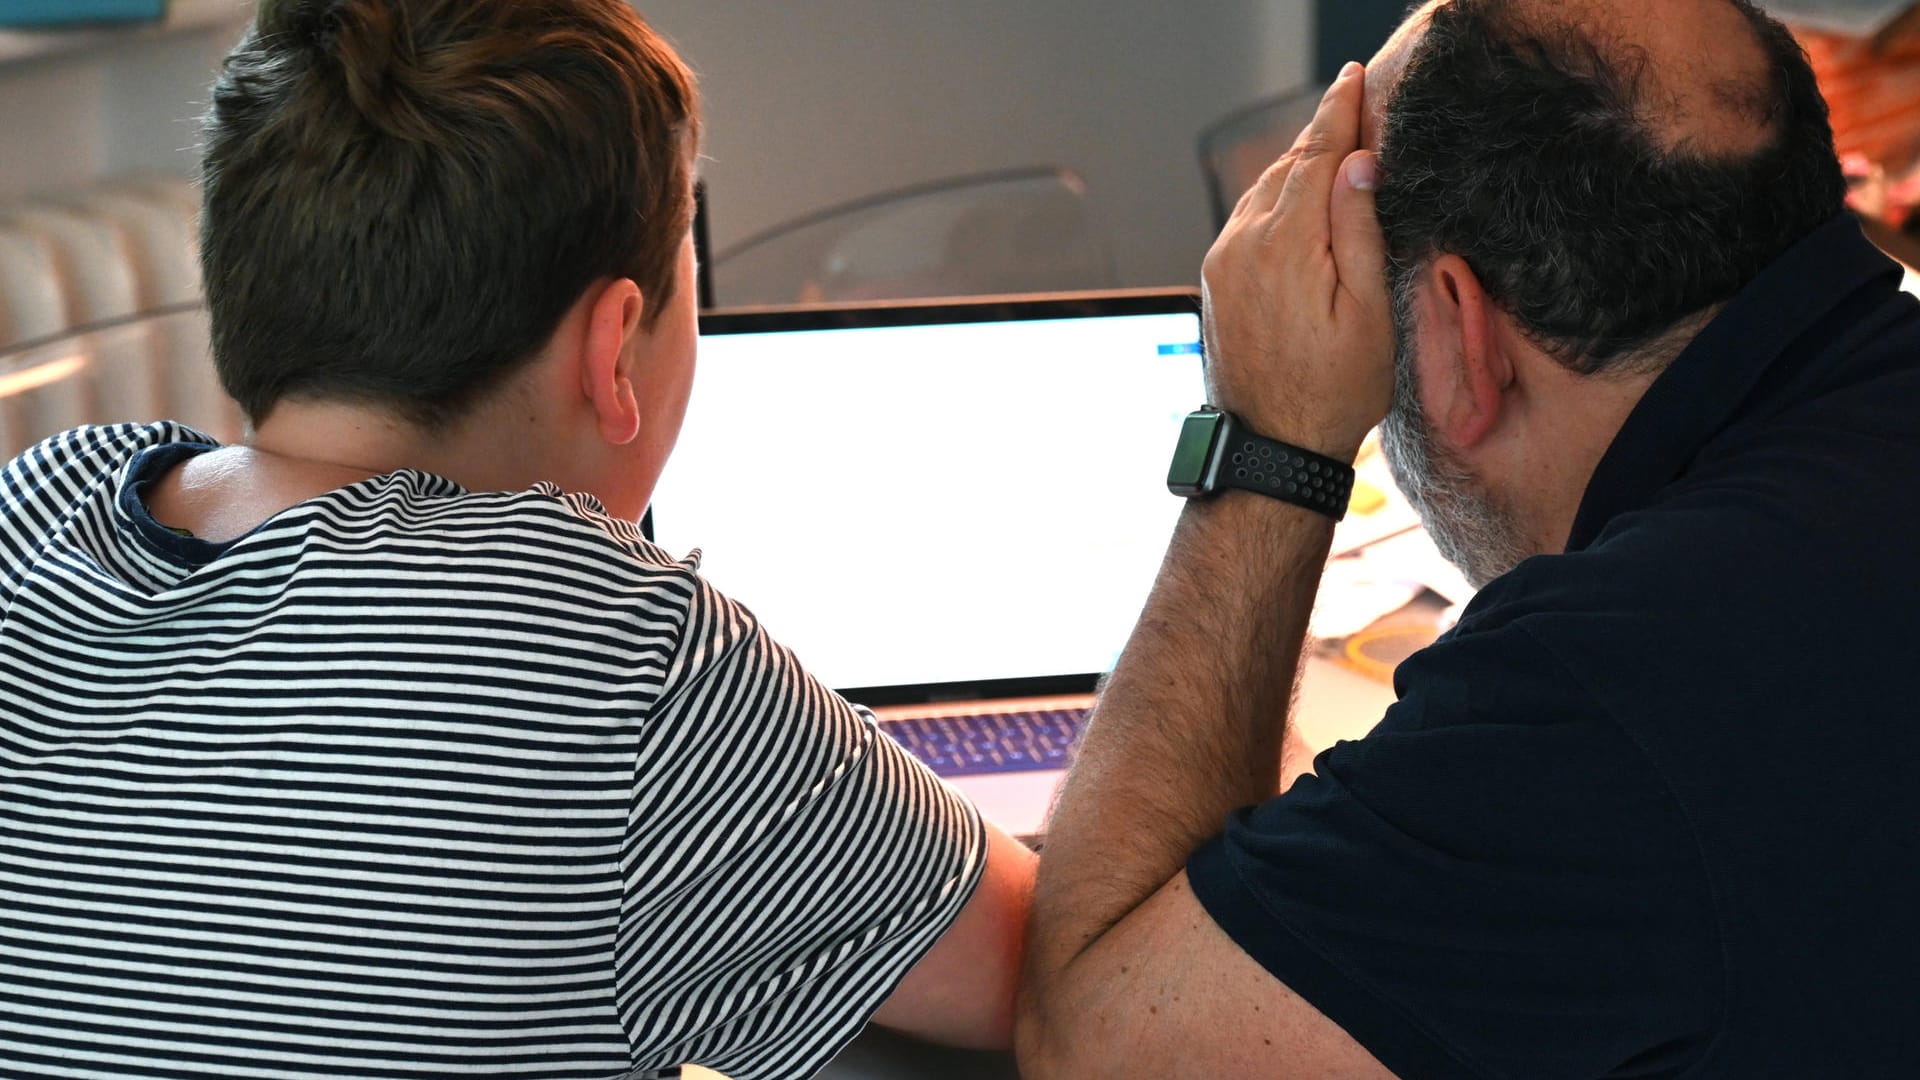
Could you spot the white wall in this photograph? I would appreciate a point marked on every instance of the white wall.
(811, 104)
(125, 105)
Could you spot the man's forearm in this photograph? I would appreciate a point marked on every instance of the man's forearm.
(1299, 345)
(1190, 724)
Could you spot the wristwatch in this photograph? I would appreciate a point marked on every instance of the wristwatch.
(1216, 452)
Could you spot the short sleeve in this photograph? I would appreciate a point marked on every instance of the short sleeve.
(787, 862)
(1495, 883)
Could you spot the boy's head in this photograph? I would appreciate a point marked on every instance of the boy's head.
(404, 197)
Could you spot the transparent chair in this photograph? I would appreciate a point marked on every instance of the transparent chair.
(32, 305)
(104, 375)
(1238, 147)
(997, 233)
(82, 271)
(159, 216)
(93, 259)
(159, 240)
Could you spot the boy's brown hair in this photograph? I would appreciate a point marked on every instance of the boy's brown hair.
(404, 197)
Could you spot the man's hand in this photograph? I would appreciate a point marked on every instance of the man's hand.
(1126, 973)
(1298, 321)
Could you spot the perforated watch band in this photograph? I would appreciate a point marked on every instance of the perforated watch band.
(1288, 473)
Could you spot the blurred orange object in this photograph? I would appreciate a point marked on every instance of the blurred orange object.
(1872, 86)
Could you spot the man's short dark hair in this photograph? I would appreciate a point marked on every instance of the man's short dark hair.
(404, 197)
(1524, 147)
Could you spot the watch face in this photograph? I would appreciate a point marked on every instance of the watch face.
(1193, 454)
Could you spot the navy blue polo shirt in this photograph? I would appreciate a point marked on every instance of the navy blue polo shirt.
(1653, 807)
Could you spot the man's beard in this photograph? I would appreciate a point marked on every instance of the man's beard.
(1474, 530)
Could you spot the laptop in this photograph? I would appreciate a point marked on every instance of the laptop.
(951, 511)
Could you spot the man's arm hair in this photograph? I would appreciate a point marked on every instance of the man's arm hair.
(1127, 974)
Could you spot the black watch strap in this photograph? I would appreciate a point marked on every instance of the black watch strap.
(1255, 463)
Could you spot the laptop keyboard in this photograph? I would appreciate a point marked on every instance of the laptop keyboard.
(991, 743)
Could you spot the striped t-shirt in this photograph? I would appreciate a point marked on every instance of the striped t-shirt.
(415, 782)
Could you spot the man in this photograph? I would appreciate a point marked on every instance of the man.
(384, 744)
(1647, 810)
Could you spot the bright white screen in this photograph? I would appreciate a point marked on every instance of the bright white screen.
(925, 504)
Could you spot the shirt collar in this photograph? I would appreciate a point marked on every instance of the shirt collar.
(181, 548)
(1697, 396)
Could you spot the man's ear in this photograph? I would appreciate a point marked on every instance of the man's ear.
(1469, 397)
(607, 358)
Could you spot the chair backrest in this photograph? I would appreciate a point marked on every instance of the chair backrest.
(32, 305)
(111, 269)
(177, 192)
(159, 224)
(101, 316)
(159, 242)
(142, 369)
(92, 257)
(1010, 232)
(1238, 147)
(43, 390)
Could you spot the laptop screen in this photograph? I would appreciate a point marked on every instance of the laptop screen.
(939, 500)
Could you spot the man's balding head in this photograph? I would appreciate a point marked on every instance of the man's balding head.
(1704, 80)
(1609, 168)
(1696, 69)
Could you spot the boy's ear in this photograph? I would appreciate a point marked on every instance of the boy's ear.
(614, 316)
